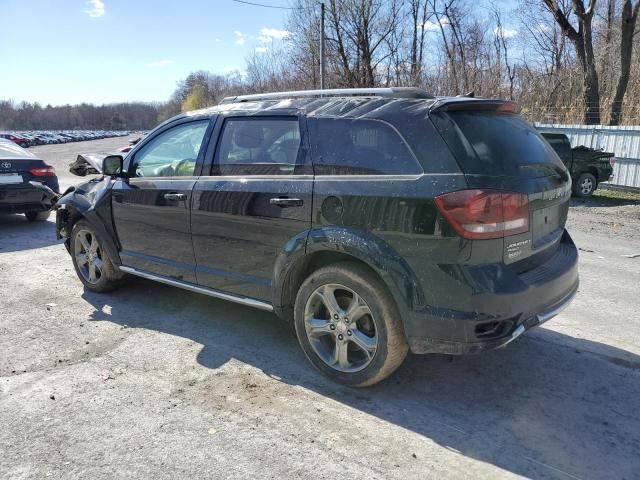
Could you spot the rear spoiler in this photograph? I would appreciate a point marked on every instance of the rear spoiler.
(468, 103)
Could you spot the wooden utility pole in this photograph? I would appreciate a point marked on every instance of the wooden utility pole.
(322, 82)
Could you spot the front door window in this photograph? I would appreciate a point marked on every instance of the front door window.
(173, 153)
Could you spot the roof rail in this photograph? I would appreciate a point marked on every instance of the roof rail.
(393, 92)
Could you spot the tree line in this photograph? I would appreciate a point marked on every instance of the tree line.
(564, 61)
(119, 116)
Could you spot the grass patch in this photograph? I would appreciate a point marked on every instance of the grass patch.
(616, 196)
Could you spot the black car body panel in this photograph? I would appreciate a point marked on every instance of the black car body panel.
(257, 233)
(27, 197)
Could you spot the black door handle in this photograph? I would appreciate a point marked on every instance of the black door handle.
(175, 197)
(284, 202)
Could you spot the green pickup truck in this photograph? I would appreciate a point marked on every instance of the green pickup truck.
(588, 166)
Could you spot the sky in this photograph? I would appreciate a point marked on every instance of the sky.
(105, 51)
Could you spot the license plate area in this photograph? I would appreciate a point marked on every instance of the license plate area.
(10, 178)
(548, 223)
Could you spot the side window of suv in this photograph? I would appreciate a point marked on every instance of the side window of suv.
(258, 146)
(359, 147)
(173, 153)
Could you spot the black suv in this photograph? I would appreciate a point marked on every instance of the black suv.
(377, 221)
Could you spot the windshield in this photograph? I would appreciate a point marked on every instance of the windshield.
(497, 143)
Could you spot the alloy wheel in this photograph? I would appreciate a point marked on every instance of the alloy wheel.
(586, 187)
(341, 328)
(88, 254)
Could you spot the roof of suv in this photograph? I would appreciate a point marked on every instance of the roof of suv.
(373, 103)
(348, 107)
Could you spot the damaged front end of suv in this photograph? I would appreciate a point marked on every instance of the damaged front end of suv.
(90, 201)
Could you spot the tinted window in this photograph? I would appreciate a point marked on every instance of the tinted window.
(258, 146)
(560, 145)
(359, 147)
(492, 143)
(172, 153)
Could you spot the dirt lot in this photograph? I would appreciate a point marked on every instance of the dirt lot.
(152, 381)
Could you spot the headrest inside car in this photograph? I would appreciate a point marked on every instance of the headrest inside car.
(248, 136)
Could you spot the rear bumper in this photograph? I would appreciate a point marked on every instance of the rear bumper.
(504, 306)
(26, 197)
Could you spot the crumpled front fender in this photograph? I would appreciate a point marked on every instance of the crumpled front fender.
(90, 201)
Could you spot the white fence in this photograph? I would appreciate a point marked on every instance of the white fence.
(623, 141)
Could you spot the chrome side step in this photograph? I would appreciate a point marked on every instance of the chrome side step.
(251, 302)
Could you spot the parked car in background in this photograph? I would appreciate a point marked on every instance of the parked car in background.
(15, 138)
(28, 184)
(377, 221)
(47, 137)
(588, 167)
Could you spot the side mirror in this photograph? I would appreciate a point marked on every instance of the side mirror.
(112, 165)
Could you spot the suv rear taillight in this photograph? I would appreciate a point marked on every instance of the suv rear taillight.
(612, 161)
(482, 214)
(43, 172)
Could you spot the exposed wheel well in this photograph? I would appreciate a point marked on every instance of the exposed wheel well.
(69, 219)
(305, 267)
(594, 171)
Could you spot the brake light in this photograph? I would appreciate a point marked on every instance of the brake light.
(483, 214)
(612, 161)
(508, 107)
(43, 172)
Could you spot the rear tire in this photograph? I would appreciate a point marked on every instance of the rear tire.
(585, 186)
(38, 216)
(348, 325)
(92, 263)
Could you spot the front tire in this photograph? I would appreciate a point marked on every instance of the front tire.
(348, 325)
(91, 261)
(585, 185)
(38, 216)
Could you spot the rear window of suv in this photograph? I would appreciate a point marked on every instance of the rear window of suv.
(496, 143)
(359, 147)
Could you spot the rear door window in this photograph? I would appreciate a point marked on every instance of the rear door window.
(359, 147)
(496, 143)
(258, 146)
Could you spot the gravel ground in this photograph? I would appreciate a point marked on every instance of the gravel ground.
(155, 382)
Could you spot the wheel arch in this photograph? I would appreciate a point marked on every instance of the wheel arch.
(72, 207)
(328, 246)
(596, 173)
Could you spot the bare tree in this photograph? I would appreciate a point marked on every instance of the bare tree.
(628, 25)
(501, 43)
(582, 39)
(419, 17)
